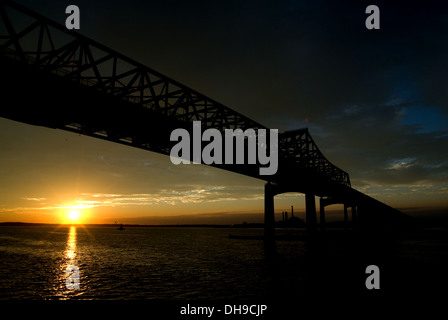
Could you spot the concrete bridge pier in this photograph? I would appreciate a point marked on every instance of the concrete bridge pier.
(269, 218)
(345, 216)
(322, 213)
(311, 219)
(354, 216)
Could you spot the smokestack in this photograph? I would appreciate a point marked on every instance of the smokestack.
(292, 211)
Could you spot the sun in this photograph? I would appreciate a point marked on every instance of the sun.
(74, 215)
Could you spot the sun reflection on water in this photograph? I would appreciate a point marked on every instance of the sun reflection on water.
(69, 281)
(70, 251)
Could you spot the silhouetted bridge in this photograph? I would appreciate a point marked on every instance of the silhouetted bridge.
(57, 78)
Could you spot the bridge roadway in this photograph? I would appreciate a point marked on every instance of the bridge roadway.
(59, 79)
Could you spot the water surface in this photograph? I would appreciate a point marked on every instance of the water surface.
(174, 263)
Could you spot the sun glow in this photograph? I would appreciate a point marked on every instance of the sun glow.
(73, 214)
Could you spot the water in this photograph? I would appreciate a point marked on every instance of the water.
(194, 264)
(138, 263)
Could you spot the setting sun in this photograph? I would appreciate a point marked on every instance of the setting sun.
(74, 215)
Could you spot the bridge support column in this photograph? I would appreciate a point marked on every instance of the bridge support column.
(322, 214)
(354, 216)
(311, 219)
(345, 217)
(269, 219)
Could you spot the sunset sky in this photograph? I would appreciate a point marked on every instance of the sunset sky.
(375, 102)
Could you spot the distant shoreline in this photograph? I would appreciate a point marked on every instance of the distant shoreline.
(111, 225)
(244, 225)
(425, 222)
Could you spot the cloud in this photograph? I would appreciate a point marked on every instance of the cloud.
(35, 199)
(374, 145)
(185, 194)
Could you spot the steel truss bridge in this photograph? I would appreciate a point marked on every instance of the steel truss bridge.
(57, 78)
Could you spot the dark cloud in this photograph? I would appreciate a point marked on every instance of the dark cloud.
(371, 142)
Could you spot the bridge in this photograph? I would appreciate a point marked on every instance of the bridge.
(58, 78)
